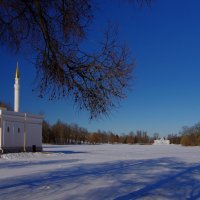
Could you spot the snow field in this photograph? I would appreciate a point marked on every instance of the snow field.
(98, 172)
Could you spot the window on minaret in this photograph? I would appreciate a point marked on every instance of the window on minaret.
(8, 129)
(18, 130)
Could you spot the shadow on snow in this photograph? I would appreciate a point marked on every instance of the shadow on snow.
(164, 178)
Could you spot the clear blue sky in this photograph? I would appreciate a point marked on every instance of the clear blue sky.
(164, 40)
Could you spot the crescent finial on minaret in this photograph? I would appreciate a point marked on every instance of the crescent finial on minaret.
(17, 71)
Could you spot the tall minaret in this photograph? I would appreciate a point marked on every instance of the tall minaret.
(16, 90)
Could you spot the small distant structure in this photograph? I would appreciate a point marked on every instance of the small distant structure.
(19, 131)
(161, 141)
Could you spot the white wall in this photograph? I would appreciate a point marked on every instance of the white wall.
(16, 126)
(33, 135)
(33, 130)
(18, 132)
(13, 134)
(0, 137)
(0, 131)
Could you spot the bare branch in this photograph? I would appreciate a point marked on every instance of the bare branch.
(54, 31)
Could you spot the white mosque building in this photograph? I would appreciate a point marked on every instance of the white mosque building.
(19, 131)
(161, 141)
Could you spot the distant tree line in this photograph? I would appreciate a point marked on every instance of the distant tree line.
(63, 133)
(190, 136)
(174, 138)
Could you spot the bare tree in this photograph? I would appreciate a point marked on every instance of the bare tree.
(53, 31)
(5, 105)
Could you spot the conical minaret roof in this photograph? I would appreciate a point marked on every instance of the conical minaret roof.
(17, 71)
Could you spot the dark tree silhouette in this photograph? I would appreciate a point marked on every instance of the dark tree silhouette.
(53, 30)
(5, 105)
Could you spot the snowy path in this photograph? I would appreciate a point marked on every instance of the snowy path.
(97, 172)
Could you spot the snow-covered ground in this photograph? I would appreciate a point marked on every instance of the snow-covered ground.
(95, 172)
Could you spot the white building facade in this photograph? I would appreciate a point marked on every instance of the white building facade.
(19, 131)
(161, 141)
